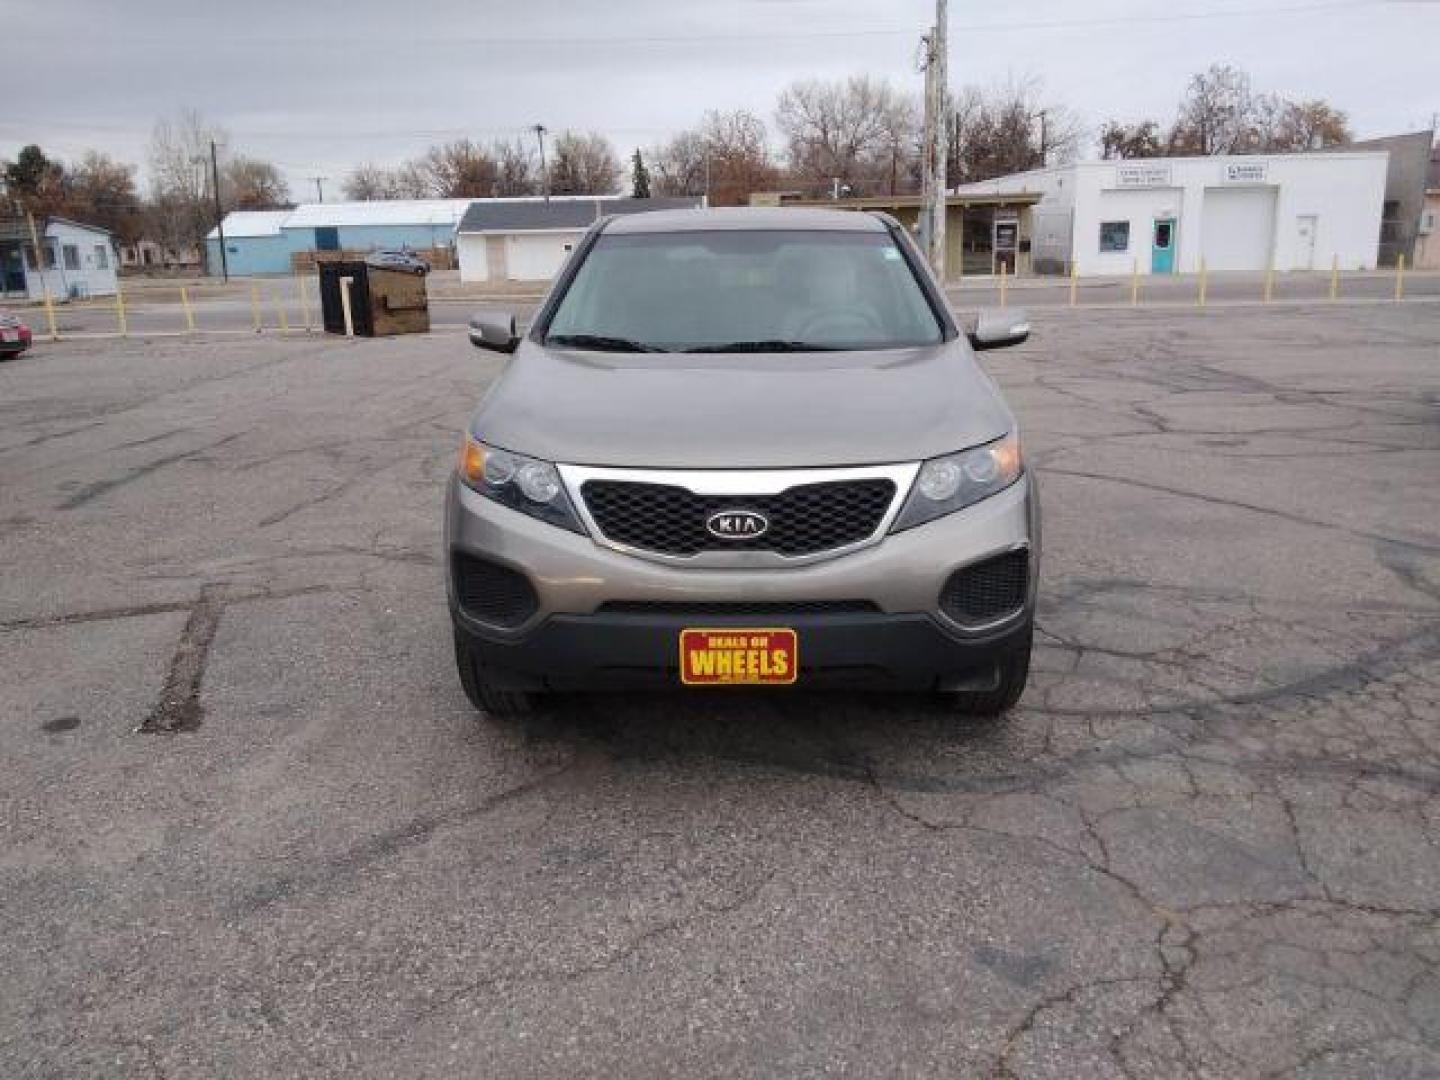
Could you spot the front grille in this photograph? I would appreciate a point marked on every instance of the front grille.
(766, 609)
(492, 593)
(803, 520)
(987, 590)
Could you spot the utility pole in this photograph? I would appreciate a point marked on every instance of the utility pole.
(319, 190)
(539, 130)
(219, 213)
(1044, 115)
(938, 132)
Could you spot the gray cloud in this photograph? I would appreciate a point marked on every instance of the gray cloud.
(319, 85)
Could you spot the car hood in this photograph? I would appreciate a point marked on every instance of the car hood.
(736, 410)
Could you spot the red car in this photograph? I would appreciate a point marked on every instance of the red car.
(14, 336)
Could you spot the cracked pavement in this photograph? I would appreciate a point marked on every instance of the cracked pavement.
(251, 826)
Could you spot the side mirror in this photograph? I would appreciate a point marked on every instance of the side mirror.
(996, 328)
(494, 330)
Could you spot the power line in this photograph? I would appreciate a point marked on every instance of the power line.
(977, 27)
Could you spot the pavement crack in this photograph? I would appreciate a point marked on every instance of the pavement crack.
(179, 708)
(94, 491)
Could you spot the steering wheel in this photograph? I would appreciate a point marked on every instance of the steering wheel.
(848, 324)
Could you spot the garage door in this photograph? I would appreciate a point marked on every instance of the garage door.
(1239, 228)
(539, 256)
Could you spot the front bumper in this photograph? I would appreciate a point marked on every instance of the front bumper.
(856, 651)
(567, 643)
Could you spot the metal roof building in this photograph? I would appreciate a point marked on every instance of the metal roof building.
(528, 240)
(265, 241)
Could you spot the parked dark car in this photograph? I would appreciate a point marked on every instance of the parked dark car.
(14, 336)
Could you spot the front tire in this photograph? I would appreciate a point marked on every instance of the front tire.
(487, 698)
(1014, 671)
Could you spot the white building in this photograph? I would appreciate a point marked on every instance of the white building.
(528, 240)
(1165, 215)
(75, 260)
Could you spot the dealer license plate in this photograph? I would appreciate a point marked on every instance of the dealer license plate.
(738, 656)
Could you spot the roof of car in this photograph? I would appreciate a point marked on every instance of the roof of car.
(746, 217)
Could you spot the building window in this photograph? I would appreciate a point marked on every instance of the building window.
(72, 257)
(49, 250)
(102, 257)
(1114, 236)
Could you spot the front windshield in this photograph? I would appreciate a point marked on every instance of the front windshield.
(744, 290)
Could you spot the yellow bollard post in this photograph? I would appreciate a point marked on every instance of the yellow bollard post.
(1335, 278)
(189, 312)
(281, 317)
(1204, 284)
(1270, 282)
(1002, 284)
(304, 302)
(255, 306)
(1074, 280)
(120, 309)
(1400, 277)
(44, 281)
(1134, 282)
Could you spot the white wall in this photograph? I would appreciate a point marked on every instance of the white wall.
(1141, 208)
(94, 271)
(538, 256)
(470, 251)
(529, 256)
(1343, 190)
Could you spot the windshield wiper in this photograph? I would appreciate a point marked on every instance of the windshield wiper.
(600, 342)
(770, 345)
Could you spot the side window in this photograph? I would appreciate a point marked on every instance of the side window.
(102, 257)
(72, 257)
(1115, 236)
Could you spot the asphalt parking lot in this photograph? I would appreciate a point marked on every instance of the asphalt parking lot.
(252, 827)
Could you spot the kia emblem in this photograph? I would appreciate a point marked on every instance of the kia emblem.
(737, 524)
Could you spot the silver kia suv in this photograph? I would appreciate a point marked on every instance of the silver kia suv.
(743, 447)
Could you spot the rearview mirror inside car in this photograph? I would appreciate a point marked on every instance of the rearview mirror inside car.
(494, 330)
(996, 328)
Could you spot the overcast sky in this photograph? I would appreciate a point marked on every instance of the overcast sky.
(319, 85)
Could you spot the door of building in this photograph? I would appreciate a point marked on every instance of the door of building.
(1162, 247)
(1005, 243)
(12, 270)
(1305, 242)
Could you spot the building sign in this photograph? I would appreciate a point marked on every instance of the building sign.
(1245, 172)
(1142, 175)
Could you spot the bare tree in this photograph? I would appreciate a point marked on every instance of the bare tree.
(516, 171)
(460, 170)
(678, 167)
(250, 184)
(584, 164)
(101, 191)
(1138, 140)
(1217, 114)
(412, 180)
(1294, 126)
(1009, 128)
(842, 131)
(182, 209)
(369, 183)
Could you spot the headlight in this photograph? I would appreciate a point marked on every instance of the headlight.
(522, 483)
(950, 483)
